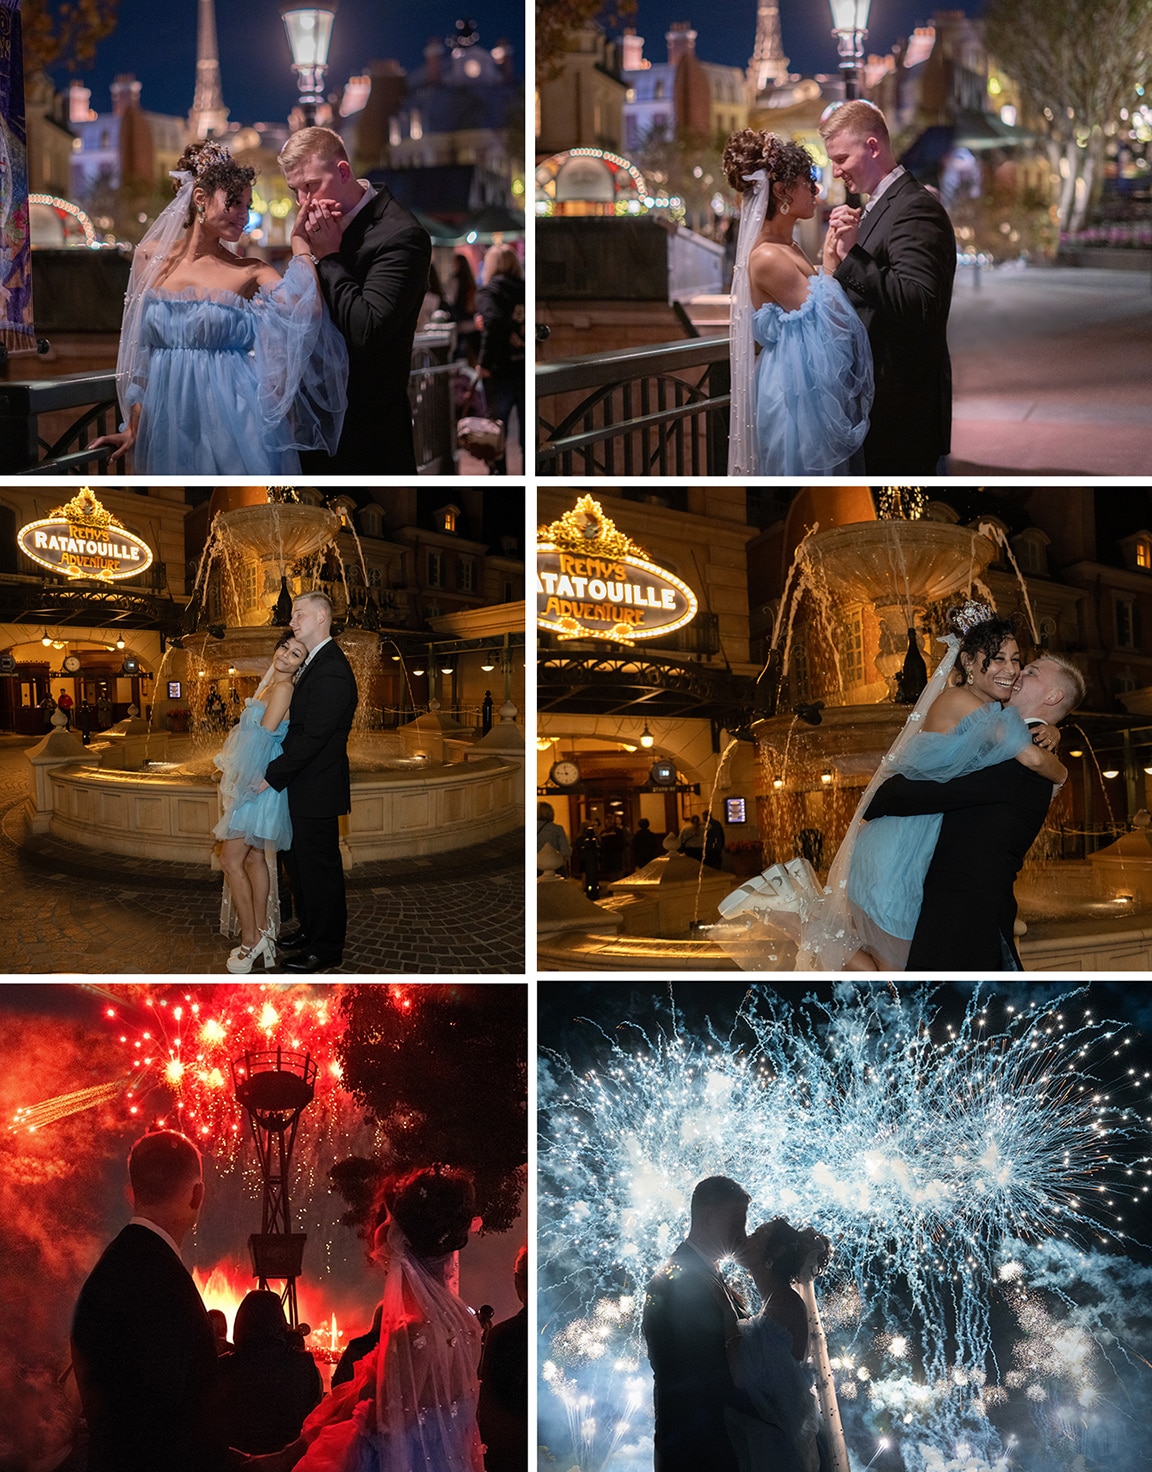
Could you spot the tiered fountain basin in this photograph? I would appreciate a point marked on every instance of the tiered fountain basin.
(150, 797)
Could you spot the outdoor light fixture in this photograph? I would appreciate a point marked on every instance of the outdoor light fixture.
(850, 27)
(1076, 753)
(309, 30)
(416, 671)
(825, 777)
(1112, 772)
(647, 738)
(777, 782)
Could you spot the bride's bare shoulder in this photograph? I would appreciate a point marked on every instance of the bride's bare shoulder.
(950, 707)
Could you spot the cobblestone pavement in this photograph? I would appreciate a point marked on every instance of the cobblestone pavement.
(70, 910)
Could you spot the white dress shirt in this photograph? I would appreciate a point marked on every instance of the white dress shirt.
(886, 183)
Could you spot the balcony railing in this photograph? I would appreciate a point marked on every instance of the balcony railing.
(47, 425)
(646, 411)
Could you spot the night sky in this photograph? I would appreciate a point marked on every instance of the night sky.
(727, 35)
(158, 44)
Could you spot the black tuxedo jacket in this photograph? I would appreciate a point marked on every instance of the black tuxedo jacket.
(990, 820)
(684, 1332)
(314, 763)
(374, 287)
(145, 1361)
(899, 278)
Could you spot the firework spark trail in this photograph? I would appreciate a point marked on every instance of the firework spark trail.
(920, 1158)
(32, 1117)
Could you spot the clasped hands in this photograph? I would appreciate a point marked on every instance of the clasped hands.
(317, 228)
(843, 230)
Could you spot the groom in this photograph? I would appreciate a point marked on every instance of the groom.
(314, 768)
(991, 818)
(142, 1345)
(897, 263)
(372, 258)
(684, 1329)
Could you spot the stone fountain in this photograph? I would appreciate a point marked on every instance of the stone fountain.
(150, 790)
(854, 589)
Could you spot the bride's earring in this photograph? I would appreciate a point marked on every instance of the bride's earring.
(200, 213)
(785, 207)
(969, 680)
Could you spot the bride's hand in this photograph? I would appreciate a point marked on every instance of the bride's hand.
(122, 442)
(1047, 736)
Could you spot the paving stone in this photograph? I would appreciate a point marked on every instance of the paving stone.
(71, 910)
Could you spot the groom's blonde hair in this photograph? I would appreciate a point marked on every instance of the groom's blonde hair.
(318, 143)
(861, 118)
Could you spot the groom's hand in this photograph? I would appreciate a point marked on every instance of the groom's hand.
(844, 223)
(321, 226)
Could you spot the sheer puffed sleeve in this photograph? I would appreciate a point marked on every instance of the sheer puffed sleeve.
(813, 383)
(301, 363)
(891, 857)
(247, 750)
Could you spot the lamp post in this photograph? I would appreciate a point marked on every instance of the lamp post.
(309, 30)
(850, 26)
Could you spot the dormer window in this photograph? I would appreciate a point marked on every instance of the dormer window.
(1144, 552)
(447, 518)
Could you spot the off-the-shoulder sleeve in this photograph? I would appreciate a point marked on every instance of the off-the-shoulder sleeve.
(892, 854)
(301, 363)
(247, 750)
(989, 735)
(814, 383)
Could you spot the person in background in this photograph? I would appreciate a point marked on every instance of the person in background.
(692, 838)
(270, 1382)
(500, 310)
(548, 831)
(713, 842)
(65, 702)
(646, 845)
(219, 1322)
(356, 1349)
(460, 298)
(502, 1412)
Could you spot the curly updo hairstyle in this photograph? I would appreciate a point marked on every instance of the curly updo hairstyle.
(984, 638)
(433, 1206)
(212, 167)
(786, 1249)
(783, 162)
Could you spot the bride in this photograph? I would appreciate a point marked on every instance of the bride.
(224, 367)
(865, 916)
(411, 1405)
(802, 407)
(768, 1353)
(256, 824)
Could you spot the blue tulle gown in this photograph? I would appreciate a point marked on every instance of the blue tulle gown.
(891, 857)
(813, 383)
(784, 1439)
(231, 386)
(256, 817)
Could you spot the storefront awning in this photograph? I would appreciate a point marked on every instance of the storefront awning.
(632, 682)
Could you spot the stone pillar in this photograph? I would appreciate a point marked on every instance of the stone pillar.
(58, 749)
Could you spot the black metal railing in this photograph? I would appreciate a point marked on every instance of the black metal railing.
(646, 411)
(47, 425)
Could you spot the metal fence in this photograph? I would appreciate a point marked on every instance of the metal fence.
(647, 411)
(47, 425)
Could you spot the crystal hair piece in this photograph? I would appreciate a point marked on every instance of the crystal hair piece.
(971, 614)
(211, 153)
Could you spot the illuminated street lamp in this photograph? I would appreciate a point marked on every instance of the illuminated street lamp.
(850, 26)
(309, 30)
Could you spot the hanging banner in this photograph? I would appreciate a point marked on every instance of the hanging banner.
(16, 327)
(592, 582)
